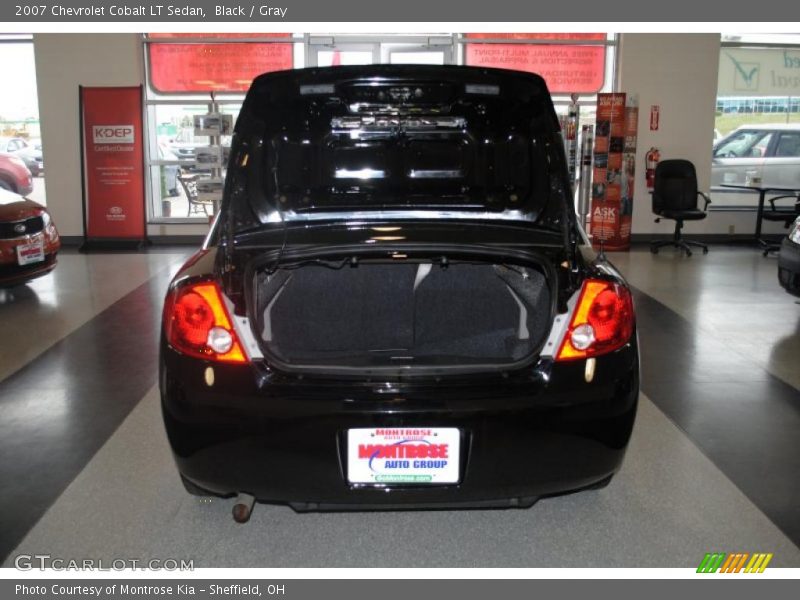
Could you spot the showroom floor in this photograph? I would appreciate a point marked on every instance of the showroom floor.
(713, 463)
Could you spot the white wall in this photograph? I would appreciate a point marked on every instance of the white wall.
(63, 62)
(678, 72)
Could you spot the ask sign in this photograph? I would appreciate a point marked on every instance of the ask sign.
(112, 134)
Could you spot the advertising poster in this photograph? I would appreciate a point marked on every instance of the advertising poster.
(567, 68)
(114, 202)
(613, 173)
(197, 67)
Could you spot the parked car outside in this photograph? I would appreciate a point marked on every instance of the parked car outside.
(14, 175)
(396, 307)
(29, 240)
(771, 152)
(30, 153)
(789, 260)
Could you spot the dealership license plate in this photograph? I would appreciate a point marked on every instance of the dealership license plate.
(30, 253)
(407, 455)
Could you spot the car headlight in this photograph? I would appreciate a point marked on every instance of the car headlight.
(46, 218)
(794, 232)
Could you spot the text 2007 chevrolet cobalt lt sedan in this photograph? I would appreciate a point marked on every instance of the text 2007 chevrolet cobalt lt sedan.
(395, 307)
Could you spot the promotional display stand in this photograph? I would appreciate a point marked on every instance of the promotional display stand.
(112, 168)
(614, 171)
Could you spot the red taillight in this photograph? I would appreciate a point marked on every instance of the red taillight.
(602, 323)
(197, 323)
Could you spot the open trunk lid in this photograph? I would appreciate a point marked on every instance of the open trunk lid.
(397, 141)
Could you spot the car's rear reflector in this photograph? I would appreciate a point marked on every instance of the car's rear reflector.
(601, 323)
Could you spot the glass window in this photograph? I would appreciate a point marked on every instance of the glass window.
(744, 144)
(19, 113)
(219, 66)
(757, 85)
(567, 66)
(788, 145)
(184, 70)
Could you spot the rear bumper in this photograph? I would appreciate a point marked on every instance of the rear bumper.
(789, 266)
(550, 434)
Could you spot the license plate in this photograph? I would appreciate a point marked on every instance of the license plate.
(405, 455)
(30, 253)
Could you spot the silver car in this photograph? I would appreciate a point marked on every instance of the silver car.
(771, 152)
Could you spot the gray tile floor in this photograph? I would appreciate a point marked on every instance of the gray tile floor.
(668, 506)
(37, 315)
(732, 293)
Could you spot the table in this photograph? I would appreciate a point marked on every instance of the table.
(763, 189)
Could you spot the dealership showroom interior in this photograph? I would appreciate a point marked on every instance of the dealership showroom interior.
(399, 302)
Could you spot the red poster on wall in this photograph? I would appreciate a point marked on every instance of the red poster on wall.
(614, 172)
(113, 164)
(228, 67)
(567, 68)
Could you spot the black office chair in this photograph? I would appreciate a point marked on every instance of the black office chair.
(675, 197)
(777, 214)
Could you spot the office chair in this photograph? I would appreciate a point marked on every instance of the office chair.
(777, 214)
(675, 197)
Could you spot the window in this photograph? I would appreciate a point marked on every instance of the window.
(757, 123)
(183, 70)
(193, 74)
(759, 81)
(788, 145)
(744, 144)
(19, 112)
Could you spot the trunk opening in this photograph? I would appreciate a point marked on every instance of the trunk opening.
(402, 316)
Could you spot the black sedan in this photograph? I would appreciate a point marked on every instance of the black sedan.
(395, 307)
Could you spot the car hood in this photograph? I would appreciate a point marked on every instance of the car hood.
(14, 207)
(397, 141)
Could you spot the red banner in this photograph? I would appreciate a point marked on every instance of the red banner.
(224, 67)
(567, 68)
(114, 162)
(614, 172)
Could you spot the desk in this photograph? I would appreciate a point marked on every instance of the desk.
(763, 190)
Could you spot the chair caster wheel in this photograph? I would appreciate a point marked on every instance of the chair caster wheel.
(654, 250)
(688, 253)
(705, 250)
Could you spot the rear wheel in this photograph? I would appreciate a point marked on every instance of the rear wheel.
(4, 185)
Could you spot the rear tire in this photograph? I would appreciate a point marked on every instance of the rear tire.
(193, 489)
(4, 185)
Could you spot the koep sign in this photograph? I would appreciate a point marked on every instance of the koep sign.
(112, 134)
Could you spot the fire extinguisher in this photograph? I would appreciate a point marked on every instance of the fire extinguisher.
(651, 160)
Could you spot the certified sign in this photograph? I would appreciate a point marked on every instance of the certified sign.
(403, 455)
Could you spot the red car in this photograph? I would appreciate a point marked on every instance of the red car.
(14, 175)
(28, 240)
